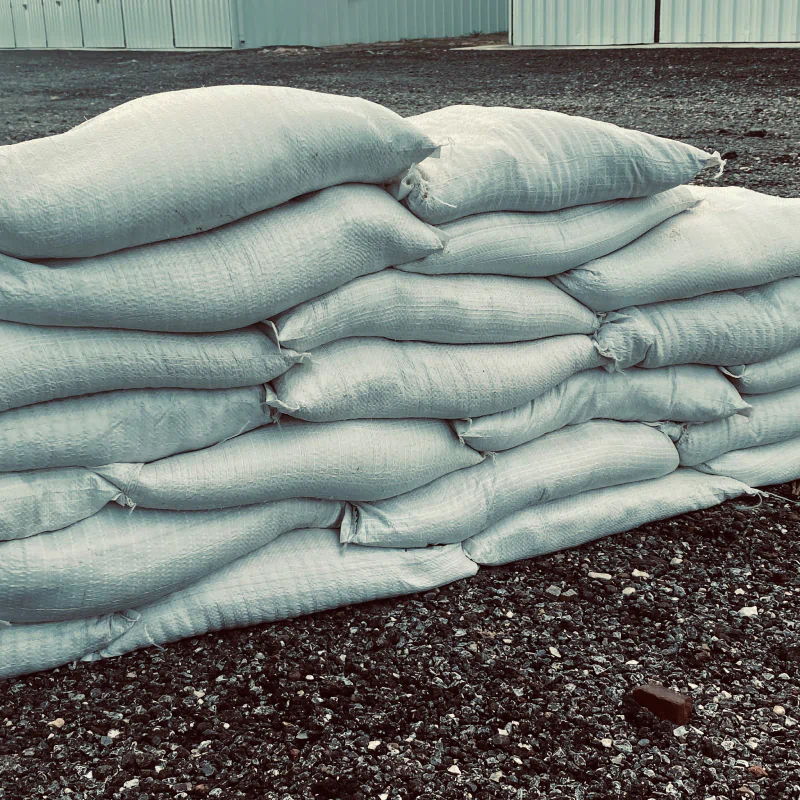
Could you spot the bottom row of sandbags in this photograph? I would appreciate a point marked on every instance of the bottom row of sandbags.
(304, 571)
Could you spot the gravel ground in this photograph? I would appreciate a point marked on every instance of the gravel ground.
(508, 685)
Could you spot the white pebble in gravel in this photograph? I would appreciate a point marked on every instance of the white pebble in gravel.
(373, 745)
(748, 611)
(637, 573)
(628, 591)
(779, 710)
(600, 576)
(554, 590)
(675, 561)
(454, 770)
(606, 742)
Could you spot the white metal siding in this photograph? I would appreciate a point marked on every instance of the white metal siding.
(28, 16)
(148, 24)
(62, 20)
(318, 23)
(6, 25)
(202, 23)
(582, 22)
(730, 21)
(102, 23)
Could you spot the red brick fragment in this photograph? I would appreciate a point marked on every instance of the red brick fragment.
(664, 703)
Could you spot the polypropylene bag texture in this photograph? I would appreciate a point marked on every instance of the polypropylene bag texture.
(175, 163)
(511, 159)
(773, 418)
(723, 328)
(535, 245)
(369, 377)
(48, 499)
(227, 278)
(573, 521)
(449, 309)
(299, 573)
(734, 238)
(767, 465)
(689, 393)
(358, 459)
(46, 363)
(32, 648)
(772, 375)
(118, 557)
(132, 425)
(457, 506)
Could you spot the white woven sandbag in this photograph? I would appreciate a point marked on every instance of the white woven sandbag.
(772, 375)
(118, 558)
(226, 278)
(457, 506)
(736, 327)
(33, 648)
(299, 573)
(734, 238)
(38, 364)
(573, 521)
(511, 159)
(49, 499)
(361, 459)
(171, 164)
(684, 394)
(133, 425)
(759, 466)
(548, 242)
(363, 378)
(774, 418)
(451, 309)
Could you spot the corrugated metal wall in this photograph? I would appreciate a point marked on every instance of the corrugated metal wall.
(730, 20)
(28, 17)
(6, 25)
(318, 23)
(582, 22)
(201, 23)
(167, 24)
(62, 22)
(148, 24)
(101, 21)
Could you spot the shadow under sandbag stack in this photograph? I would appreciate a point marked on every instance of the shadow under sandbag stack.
(244, 381)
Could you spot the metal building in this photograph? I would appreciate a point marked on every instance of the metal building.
(610, 22)
(174, 24)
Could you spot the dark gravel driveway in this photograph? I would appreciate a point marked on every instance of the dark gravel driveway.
(498, 687)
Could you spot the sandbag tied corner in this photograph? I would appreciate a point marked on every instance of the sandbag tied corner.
(242, 385)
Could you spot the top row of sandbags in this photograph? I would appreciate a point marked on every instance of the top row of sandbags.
(513, 159)
(169, 165)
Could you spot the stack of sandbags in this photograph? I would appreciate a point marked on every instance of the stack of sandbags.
(245, 382)
(523, 196)
(715, 285)
(143, 253)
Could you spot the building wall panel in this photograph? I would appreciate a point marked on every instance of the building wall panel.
(6, 25)
(148, 24)
(62, 20)
(29, 29)
(730, 21)
(102, 25)
(582, 22)
(318, 23)
(202, 23)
